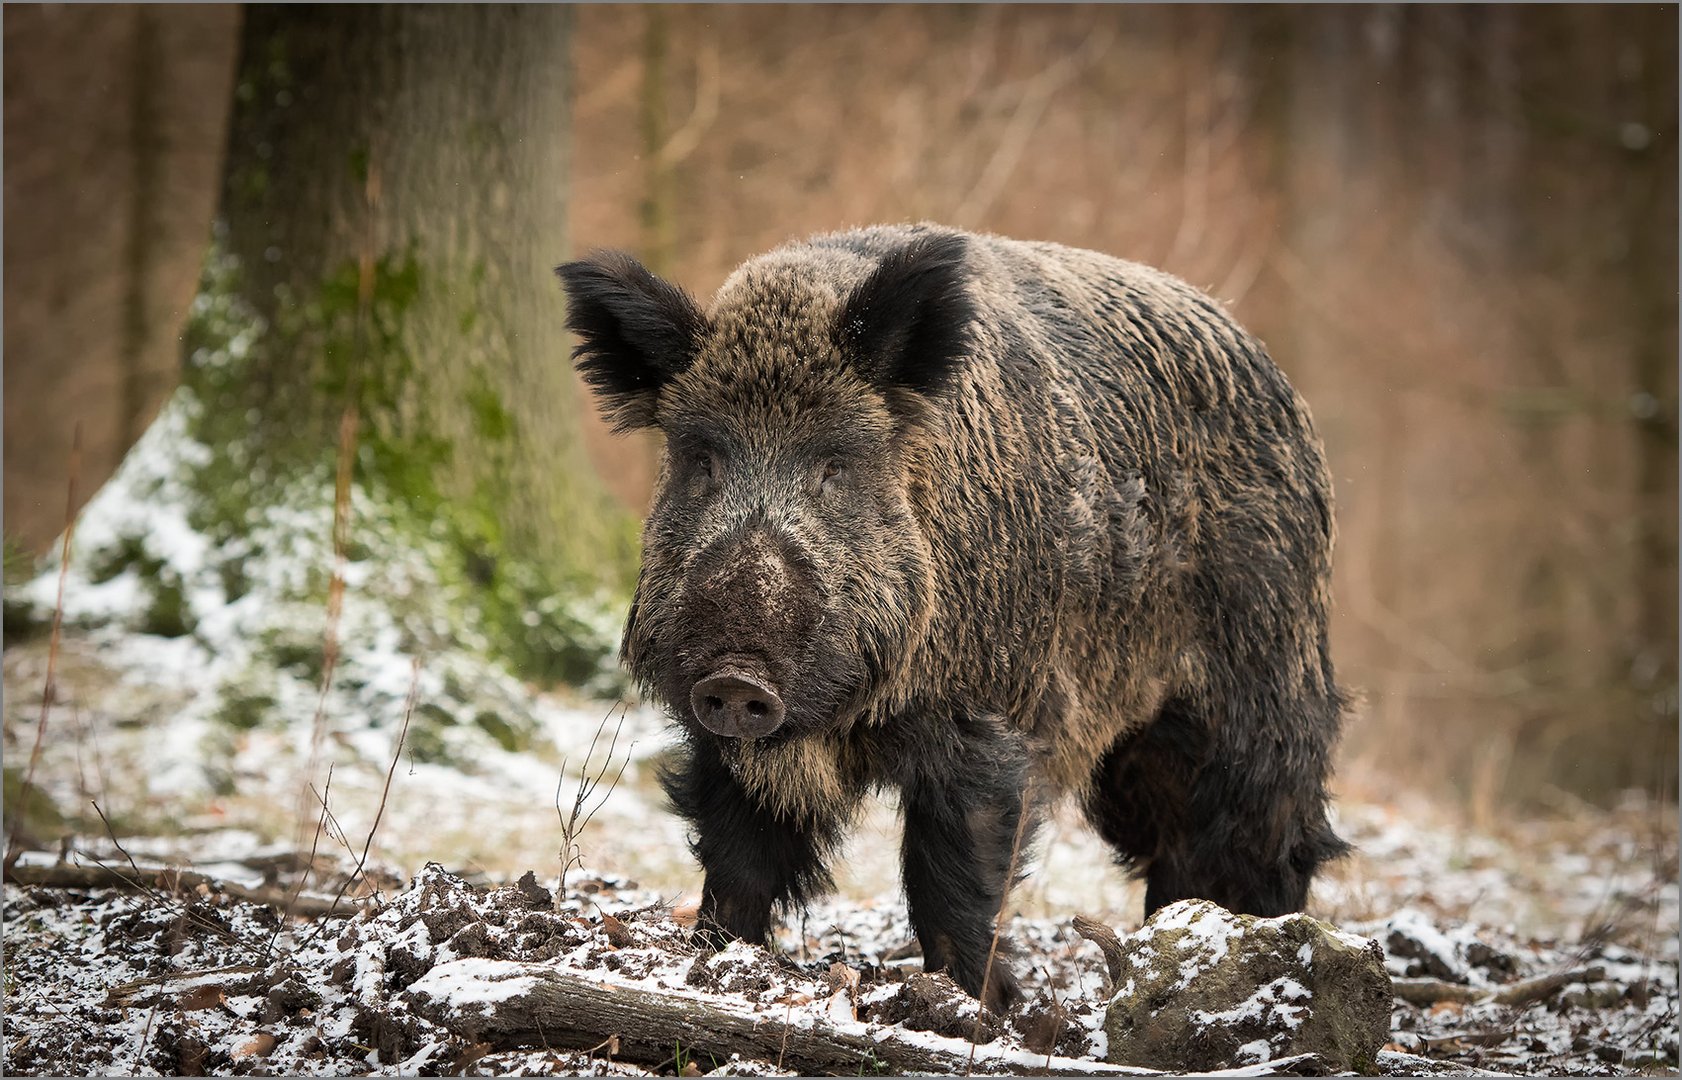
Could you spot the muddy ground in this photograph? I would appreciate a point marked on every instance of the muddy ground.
(431, 975)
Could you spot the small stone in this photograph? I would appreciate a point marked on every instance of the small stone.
(1201, 988)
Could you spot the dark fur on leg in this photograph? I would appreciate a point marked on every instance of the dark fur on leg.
(961, 819)
(754, 859)
(1200, 819)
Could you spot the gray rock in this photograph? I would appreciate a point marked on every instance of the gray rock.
(1200, 988)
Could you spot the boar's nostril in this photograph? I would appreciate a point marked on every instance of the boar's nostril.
(735, 703)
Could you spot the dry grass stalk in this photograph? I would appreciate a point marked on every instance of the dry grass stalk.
(20, 808)
(335, 831)
(343, 477)
(309, 864)
(385, 793)
(335, 609)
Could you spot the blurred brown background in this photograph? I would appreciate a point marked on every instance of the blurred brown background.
(1455, 228)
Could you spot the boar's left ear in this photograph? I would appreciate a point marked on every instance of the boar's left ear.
(908, 325)
(635, 332)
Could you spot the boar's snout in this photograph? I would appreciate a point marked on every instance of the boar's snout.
(736, 703)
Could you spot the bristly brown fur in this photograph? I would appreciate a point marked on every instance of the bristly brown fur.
(986, 513)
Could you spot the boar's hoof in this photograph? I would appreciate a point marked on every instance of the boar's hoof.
(732, 702)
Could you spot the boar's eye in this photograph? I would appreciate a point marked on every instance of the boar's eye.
(705, 464)
(832, 470)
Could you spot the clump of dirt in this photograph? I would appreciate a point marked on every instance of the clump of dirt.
(934, 1003)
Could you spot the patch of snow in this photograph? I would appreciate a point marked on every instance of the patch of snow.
(475, 982)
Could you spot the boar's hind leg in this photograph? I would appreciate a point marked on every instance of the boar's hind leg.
(1233, 812)
(960, 824)
(754, 858)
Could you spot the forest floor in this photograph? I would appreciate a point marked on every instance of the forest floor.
(167, 973)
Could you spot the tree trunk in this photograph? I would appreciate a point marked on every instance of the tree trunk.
(1649, 142)
(115, 122)
(394, 205)
(429, 142)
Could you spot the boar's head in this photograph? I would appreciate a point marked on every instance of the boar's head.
(786, 576)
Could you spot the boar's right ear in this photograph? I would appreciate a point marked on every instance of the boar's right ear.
(635, 331)
(907, 327)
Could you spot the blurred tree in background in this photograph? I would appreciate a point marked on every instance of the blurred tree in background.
(115, 121)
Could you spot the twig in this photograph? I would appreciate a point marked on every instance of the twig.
(788, 1009)
(689, 134)
(573, 824)
(138, 882)
(344, 474)
(998, 918)
(1057, 1010)
(50, 690)
(118, 844)
(335, 830)
(145, 1036)
(1036, 96)
(1101, 935)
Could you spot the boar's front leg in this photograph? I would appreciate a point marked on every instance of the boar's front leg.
(754, 858)
(963, 800)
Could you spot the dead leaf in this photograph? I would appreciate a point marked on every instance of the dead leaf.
(843, 983)
(616, 932)
(259, 1045)
(841, 977)
(691, 1069)
(686, 914)
(207, 996)
(467, 1055)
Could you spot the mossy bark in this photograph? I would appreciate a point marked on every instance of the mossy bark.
(394, 202)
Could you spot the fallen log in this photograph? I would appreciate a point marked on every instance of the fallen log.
(1428, 992)
(169, 879)
(509, 1005)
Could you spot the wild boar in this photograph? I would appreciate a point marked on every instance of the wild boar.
(984, 522)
